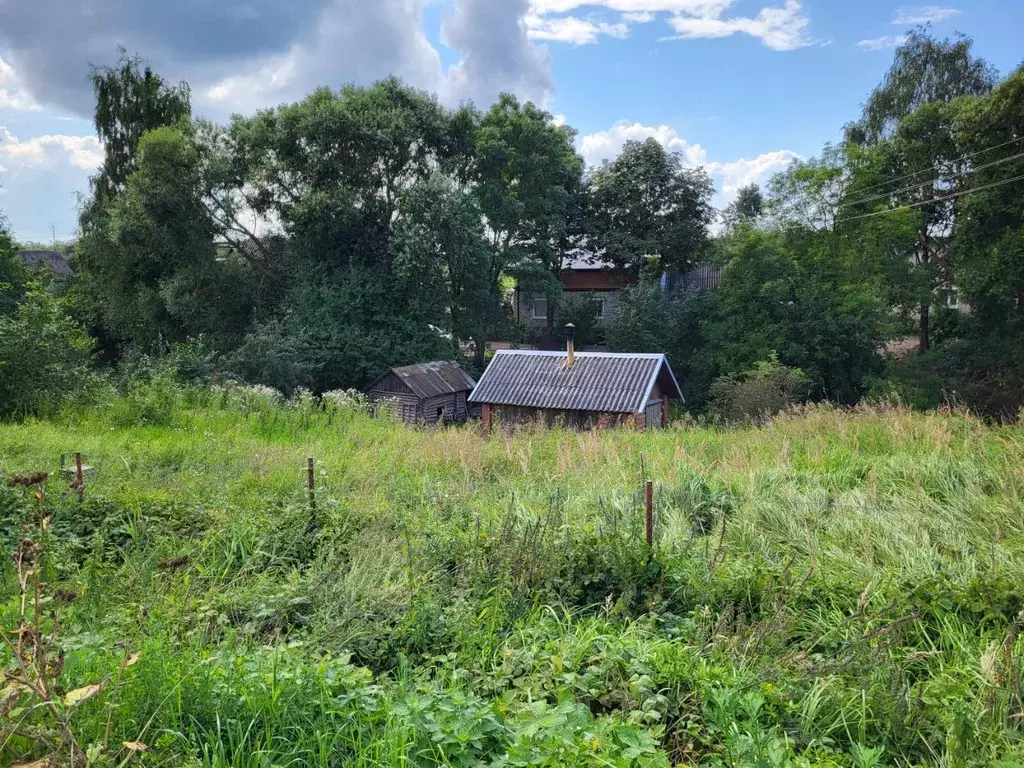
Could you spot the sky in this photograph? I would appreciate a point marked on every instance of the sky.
(741, 87)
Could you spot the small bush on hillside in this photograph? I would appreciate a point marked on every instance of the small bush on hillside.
(759, 393)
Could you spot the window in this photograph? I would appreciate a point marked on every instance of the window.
(600, 309)
(540, 309)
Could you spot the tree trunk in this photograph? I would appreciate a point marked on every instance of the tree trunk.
(480, 346)
(924, 332)
(551, 317)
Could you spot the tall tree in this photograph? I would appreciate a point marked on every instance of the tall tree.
(912, 109)
(990, 221)
(647, 206)
(924, 70)
(527, 180)
(130, 100)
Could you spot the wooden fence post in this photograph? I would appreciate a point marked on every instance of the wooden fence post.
(79, 476)
(311, 484)
(485, 417)
(649, 488)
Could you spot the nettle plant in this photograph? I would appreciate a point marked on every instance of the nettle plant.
(37, 715)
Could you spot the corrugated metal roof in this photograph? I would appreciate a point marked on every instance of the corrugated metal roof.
(51, 260)
(598, 381)
(433, 379)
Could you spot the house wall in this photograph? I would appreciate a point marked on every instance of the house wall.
(510, 416)
(523, 307)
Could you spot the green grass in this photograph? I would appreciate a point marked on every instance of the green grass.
(836, 588)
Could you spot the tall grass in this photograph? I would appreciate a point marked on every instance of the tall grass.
(835, 588)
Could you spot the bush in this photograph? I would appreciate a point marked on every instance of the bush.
(44, 358)
(581, 311)
(754, 395)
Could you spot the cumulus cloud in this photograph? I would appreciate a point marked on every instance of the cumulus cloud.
(741, 173)
(782, 29)
(243, 54)
(925, 14)
(46, 152)
(498, 55)
(729, 176)
(882, 43)
(597, 147)
(352, 41)
(13, 94)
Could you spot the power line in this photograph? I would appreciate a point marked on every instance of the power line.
(930, 170)
(932, 181)
(934, 200)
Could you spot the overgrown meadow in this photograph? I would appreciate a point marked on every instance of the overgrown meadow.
(835, 588)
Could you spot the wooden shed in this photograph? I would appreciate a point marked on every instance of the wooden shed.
(425, 393)
(577, 389)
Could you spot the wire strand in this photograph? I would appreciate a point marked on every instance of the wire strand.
(934, 200)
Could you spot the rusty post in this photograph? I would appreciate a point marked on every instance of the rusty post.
(649, 488)
(311, 483)
(79, 476)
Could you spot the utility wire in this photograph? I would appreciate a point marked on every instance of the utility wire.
(885, 195)
(930, 170)
(934, 200)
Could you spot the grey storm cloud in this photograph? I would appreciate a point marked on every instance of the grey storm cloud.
(242, 54)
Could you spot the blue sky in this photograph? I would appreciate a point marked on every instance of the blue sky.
(740, 86)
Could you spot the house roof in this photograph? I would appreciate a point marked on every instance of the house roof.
(432, 379)
(598, 381)
(51, 260)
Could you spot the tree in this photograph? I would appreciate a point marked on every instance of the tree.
(646, 207)
(527, 179)
(791, 293)
(989, 240)
(130, 100)
(747, 208)
(924, 71)
(12, 272)
(44, 357)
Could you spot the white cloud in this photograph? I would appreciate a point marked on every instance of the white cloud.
(925, 14)
(46, 152)
(13, 93)
(729, 176)
(570, 29)
(782, 29)
(743, 172)
(638, 17)
(882, 43)
(606, 145)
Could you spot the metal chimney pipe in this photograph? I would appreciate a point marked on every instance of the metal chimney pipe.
(570, 345)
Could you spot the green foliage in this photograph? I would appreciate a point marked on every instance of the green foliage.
(44, 358)
(12, 274)
(645, 205)
(795, 293)
(755, 395)
(580, 310)
(131, 100)
(924, 71)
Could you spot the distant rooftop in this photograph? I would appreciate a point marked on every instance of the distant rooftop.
(50, 260)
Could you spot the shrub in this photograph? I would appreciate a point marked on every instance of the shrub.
(581, 311)
(753, 395)
(44, 358)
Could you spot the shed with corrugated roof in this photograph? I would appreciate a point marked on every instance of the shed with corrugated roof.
(425, 393)
(576, 389)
